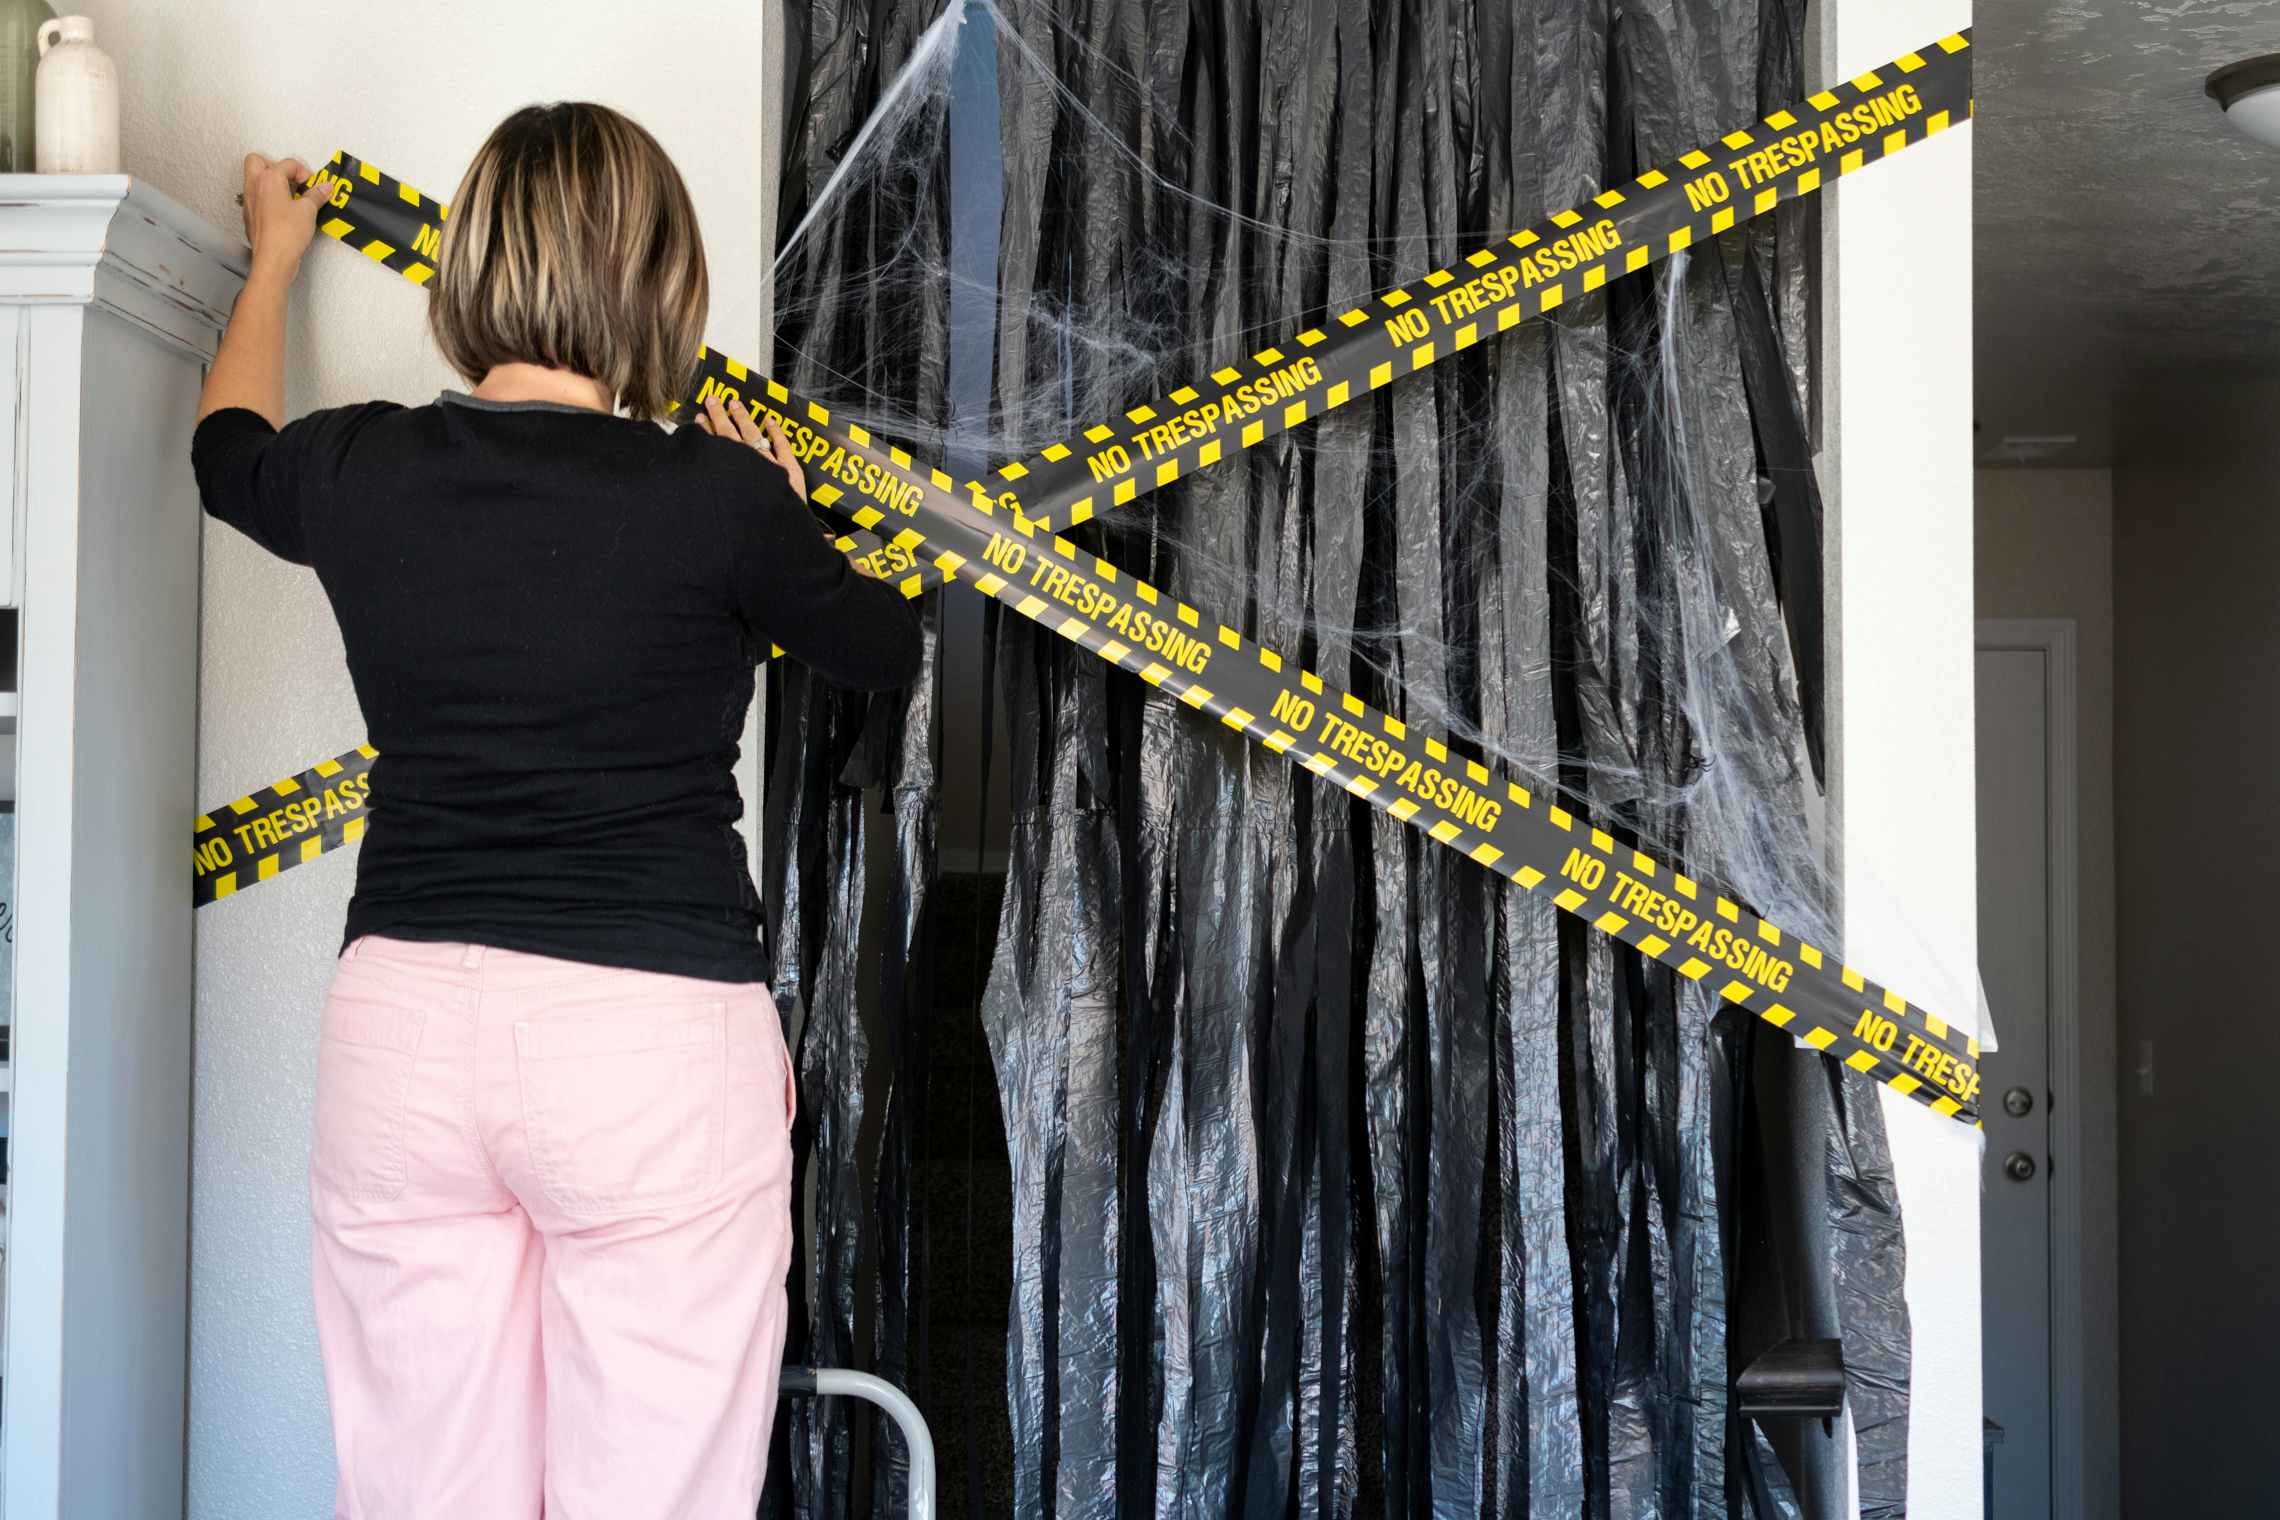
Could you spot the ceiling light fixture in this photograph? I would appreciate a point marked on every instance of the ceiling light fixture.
(2249, 91)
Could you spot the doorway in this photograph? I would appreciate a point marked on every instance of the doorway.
(2031, 1201)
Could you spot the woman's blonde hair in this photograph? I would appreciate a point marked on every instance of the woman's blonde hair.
(572, 243)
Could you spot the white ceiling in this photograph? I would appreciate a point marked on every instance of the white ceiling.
(2124, 233)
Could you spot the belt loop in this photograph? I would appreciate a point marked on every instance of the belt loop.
(471, 956)
(349, 953)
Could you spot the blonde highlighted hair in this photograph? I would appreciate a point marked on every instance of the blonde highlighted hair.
(573, 243)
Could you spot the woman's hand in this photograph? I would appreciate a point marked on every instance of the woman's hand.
(736, 422)
(768, 440)
(278, 223)
(249, 369)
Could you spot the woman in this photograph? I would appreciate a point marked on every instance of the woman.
(551, 1170)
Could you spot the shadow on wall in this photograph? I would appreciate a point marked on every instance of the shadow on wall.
(2197, 809)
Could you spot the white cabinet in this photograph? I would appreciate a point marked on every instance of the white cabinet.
(112, 299)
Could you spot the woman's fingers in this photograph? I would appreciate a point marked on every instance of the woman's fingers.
(313, 200)
(277, 225)
(780, 449)
(725, 420)
(263, 175)
(291, 172)
(250, 196)
(746, 428)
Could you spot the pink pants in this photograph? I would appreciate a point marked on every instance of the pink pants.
(552, 1208)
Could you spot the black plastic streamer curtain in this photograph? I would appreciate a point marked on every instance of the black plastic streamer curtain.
(1345, 1179)
(853, 799)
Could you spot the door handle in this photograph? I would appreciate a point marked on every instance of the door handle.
(2019, 1166)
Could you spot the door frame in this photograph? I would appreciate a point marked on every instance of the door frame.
(2070, 1198)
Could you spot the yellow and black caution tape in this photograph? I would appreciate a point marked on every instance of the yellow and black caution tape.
(285, 824)
(949, 531)
(1534, 272)
(1486, 813)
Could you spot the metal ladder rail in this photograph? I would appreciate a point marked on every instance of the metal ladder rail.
(918, 1441)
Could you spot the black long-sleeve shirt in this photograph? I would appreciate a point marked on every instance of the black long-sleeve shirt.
(552, 618)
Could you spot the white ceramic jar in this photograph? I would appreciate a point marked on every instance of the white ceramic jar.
(78, 126)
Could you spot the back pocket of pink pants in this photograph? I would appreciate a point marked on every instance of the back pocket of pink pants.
(364, 1076)
(625, 1112)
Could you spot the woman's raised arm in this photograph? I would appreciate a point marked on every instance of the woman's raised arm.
(249, 371)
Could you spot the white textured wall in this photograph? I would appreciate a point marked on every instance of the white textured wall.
(414, 86)
(1900, 327)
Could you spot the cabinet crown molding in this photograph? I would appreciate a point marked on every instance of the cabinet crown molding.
(119, 242)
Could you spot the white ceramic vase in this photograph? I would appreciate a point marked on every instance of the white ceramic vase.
(78, 126)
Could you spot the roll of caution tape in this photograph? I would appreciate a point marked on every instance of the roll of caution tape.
(943, 530)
